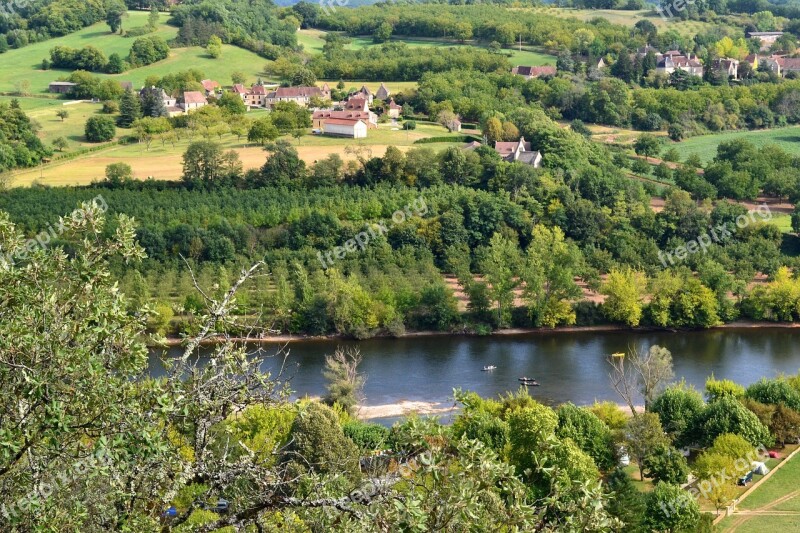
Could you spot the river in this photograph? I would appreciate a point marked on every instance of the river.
(569, 366)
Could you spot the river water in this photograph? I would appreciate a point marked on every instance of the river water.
(569, 366)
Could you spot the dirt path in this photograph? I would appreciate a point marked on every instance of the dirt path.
(744, 516)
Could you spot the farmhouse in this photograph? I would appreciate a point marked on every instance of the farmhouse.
(210, 86)
(356, 104)
(519, 151)
(299, 95)
(61, 87)
(239, 89)
(393, 110)
(319, 117)
(193, 100)
(364, 93)
(256, 96)
(533, 72)
(789, 64)
(728, 67)
(673, 60)
(354, 128)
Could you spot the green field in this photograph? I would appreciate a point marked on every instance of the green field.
(25, 63)
(312, 41)
(706, 145)
(776, 504)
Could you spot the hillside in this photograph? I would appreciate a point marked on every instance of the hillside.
(25, 63)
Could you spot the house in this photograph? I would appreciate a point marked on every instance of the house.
(256, 96)
(364, 93)
(726, 66)
(299, 95)
(169, 101)
(239, 89)
(789, 64)
(193, 100)
(319, 117)
(61, 87)
(210, 86)
(393, 110)
(519, 151)
(644, 50)
(670, 62)
(767, 38)
(533, 72)
(353, 128)
(454, 125)
(356, 104)
(772, 64)
(752, 59)
(382, 93)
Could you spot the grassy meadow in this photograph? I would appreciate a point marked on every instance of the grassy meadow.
(706, 145)
(25, 63)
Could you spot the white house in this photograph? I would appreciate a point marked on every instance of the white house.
(355, 129)
(520, 151)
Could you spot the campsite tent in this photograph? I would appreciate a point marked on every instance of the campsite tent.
(759, 468)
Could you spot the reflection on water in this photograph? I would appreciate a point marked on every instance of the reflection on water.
(569, 366)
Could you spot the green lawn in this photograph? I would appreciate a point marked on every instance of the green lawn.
(25, 63)
(312, 40)
(781, 483)
(706, 145)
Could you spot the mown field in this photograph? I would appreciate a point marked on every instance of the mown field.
(25, 63)
(312, 41)
(165, 161)
(706, 145)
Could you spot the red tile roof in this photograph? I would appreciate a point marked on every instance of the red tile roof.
(534, 72)
(239, 89)
(209, 85)
(194, 97)
(297, 92)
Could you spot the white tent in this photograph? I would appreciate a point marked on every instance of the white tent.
(759, 468)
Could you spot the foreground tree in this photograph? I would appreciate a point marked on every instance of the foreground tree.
(345, 383)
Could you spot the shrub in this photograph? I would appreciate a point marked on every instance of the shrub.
(366, 436)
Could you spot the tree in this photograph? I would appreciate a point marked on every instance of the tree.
(238, 77)
(214, 47)
(115, 10)
(60, 143)
(785, 425)
(152, 17)
(115, 65)
(588, 432)
(672, 509)
(647, 145)
(283, 167)
(549, 275)
(152, 102)
(205, 161)
(232, 103)
(623, 68)
(643, 436)
(130, 109)
(63, 114)
(100, 129)
(500, 268)
(493, 130)
(728, 415)
(262, 130)
(626, 502)
(345, 383)
(118, 173)
(624, 289)
(382, 33)
(677, 409)
(646, 371)
(666, 464)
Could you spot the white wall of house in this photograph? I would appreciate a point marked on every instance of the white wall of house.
(357, 131)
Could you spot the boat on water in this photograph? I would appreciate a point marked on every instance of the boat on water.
(530, 382)
(488, 368)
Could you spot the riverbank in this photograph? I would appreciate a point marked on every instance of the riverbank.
(284, 339)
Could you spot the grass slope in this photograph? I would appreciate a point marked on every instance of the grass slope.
(706, 145)
(25, 63)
